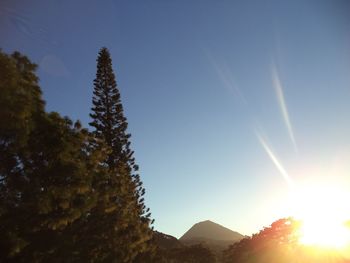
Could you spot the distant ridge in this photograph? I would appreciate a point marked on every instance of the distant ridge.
(210, 230)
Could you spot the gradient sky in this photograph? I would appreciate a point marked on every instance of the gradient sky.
(229, 103)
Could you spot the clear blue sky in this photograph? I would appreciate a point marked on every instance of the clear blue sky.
(214, 92)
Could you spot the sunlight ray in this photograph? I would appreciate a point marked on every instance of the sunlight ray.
(226, 77)
(275, 161)
(283, 106)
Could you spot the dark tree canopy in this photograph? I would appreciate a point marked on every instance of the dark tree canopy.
(46, 170)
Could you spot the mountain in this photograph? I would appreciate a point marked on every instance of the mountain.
(203, 242)
(212, 235)
(210, 230)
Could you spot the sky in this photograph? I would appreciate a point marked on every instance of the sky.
(230, 103)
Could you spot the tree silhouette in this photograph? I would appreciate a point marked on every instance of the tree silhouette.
(124, 221)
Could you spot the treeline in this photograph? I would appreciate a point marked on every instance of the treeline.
(67, 194)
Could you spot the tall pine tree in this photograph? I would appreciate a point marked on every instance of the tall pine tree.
(124, 221)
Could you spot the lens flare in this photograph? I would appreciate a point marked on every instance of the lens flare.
(283, 105)
(323, 212)
(275, 160)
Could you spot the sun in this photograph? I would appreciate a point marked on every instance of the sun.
(324, 233)
(323, 211)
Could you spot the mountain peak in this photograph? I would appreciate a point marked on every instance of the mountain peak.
(210, 230)
(205, 221)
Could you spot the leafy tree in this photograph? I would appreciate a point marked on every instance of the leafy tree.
(124, 222)
(20, 105)
(279, 243)
(272, 244)
(46, 171)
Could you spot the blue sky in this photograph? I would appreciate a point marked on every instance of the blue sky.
(225, 100)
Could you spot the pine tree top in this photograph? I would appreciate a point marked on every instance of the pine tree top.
(107, 112)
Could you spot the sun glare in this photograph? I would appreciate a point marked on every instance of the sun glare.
(323, 212)
(327, 232)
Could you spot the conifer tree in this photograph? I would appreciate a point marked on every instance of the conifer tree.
(124, 220)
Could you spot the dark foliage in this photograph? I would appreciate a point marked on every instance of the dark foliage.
(185, 254)
(67, 195)
(171, 250)
(46, 171)
(165, 241)
(124, 222)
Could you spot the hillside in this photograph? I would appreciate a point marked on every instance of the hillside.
(212, 235)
